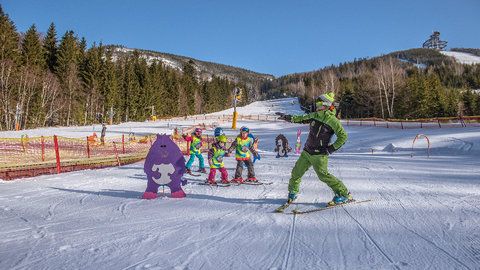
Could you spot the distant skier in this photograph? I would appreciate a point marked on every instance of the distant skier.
(323, 124)
(215, 160)
(104, 131)
(242, 144)
(194, 151)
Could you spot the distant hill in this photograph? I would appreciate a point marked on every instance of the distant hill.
(205, 69)
(429, 57)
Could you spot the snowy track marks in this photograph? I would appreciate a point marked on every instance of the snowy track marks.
(384, 254)
(289, 246)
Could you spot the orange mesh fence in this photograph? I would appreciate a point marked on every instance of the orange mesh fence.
(28, 157)
(444, 122)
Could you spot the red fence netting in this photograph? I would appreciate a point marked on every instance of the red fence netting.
(443, 122)
(28, 157)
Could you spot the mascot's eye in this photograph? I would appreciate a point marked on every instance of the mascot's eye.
(163, 145)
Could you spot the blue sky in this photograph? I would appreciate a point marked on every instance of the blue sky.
(277, 37)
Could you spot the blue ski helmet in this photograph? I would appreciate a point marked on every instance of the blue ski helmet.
(218, 131)
(244, 128)
(199, 130)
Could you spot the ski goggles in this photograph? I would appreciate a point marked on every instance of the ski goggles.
(319, 103)
(323, 101)
(244, 129)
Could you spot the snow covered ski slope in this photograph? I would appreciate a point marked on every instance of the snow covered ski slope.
(424, 213)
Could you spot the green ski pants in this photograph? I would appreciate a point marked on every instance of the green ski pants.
(319, 163)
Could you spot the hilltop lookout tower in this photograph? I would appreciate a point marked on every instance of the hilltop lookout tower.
(434, 42)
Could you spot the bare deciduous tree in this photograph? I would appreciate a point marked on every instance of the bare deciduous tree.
(331, 83)
(71, 84)
(389, 75)
(6, 91)
(27, 85)
(49, 97)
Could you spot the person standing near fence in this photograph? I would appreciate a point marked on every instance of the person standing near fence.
(104, 131)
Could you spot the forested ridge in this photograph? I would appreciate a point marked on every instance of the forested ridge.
(416, 83)
(50, 80)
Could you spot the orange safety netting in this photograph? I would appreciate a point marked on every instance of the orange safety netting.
(440, 122)
(28, 157)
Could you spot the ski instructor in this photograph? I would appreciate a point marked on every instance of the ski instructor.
(323, 124)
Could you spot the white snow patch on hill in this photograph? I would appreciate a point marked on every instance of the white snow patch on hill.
(462, 57)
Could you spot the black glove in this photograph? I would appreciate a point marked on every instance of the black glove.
(286, 117)
(331, 149)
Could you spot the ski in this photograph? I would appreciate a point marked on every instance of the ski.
(328, 207)
(282, 208)
(252, 183)
(256, 183)
(215, 185)
(192, 174)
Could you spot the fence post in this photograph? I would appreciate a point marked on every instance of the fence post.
(57, 153)
(88, 148)
(43, 149)
(116, 153)
(123, 143)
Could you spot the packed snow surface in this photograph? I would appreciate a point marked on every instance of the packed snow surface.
(463, 57)
(424, 213)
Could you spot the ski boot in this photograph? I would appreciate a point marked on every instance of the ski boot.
(291, 197)
(225, 181)
(238, 180)
(211, 182)
(339, 199)
(252, 179)
(202, 170)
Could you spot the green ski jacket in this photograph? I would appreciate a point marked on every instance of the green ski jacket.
(323, 124)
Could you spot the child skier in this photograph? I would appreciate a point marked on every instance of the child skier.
(215, 160)
(323, 124)
(194, 151)
(242, 144)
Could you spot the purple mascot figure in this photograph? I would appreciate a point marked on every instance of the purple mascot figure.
(164, 165)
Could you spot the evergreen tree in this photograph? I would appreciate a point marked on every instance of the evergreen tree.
(172, 97)
(143, 92)
(33, 63)
(131, 88)
(67, 70)
(8, 61)
(189, 85)
(91, 78)
(109, 86)
(469, 102)
(32, 50)
(8, 37)
(50, 47)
